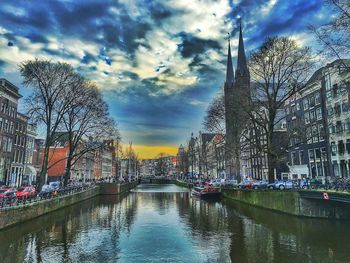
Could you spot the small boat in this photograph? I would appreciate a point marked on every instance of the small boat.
(206, 191)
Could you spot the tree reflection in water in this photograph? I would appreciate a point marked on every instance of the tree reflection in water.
(159, 223)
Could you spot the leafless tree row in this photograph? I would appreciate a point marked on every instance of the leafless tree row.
(67, 105)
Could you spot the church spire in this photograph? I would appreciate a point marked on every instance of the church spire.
(242, 68)
(229, 68)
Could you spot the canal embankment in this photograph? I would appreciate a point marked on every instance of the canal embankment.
(170, 181)
(16, 214)
(297, 203)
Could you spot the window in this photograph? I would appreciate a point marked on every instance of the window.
(324, 153)
(321, 132)
(328, 82)
(330, 111)
(339, 127)
(298, 105)
(306, 117)
(306, 104)
(317, 98)
(312, 116)
(319, 169)
(335, 168)
(348, 146)
(335, 90)
(347, 125)
(311, 101)
(334, 148)
(319, 113)
(318, 153)
(314, 134)
(301, 157)
(341, 147)
(287, 110)
(345, 107)
(308, 135)
(311, 155)
(295, 158)
(337, 109)
(292, 109)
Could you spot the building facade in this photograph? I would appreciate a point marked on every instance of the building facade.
(236, 95)
(318, 124)
(9, 97)
(19, 150)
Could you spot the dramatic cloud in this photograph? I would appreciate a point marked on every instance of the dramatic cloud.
(158, 62)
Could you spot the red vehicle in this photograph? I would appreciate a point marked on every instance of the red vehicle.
(26, 192)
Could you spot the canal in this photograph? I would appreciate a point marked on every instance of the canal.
(163, 223)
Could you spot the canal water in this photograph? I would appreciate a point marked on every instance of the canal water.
(163, 223)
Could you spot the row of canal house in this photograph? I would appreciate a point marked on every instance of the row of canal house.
(16, 139)
(99, 164)
(314, 136)
(21, 152)
(318, 125)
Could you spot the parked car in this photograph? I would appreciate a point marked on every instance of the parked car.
(231, 182)
(46, 191)
(261, 184)
(217, 182)
(281, 185)
(7, 193)
(55, 185)
(26, 192)
(245, 184)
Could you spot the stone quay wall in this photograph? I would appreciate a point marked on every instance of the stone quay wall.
(290, 202)
(13, 215)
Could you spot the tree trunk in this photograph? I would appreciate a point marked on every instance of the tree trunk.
(271, 157)
(44, 166)
(68, 169)
(237, 164)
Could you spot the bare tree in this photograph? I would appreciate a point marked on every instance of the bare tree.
(50, 98)
(214, 120)
(334, 37)
(86, 119)
(279, 68)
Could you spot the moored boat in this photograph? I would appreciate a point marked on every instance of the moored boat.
(206, 191)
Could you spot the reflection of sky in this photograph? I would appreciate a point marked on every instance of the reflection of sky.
(167, 226)
(158, 62)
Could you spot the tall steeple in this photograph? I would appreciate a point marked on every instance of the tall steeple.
(242, 68)
(229, 68)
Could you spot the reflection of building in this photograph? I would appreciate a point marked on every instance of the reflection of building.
(8, 112)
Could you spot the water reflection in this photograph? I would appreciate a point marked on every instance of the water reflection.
(165, 224)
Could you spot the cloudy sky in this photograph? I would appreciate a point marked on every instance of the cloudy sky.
(157, 62)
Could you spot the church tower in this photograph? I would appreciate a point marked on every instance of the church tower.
(237, 95)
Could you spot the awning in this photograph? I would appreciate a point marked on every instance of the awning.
(29, 169)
